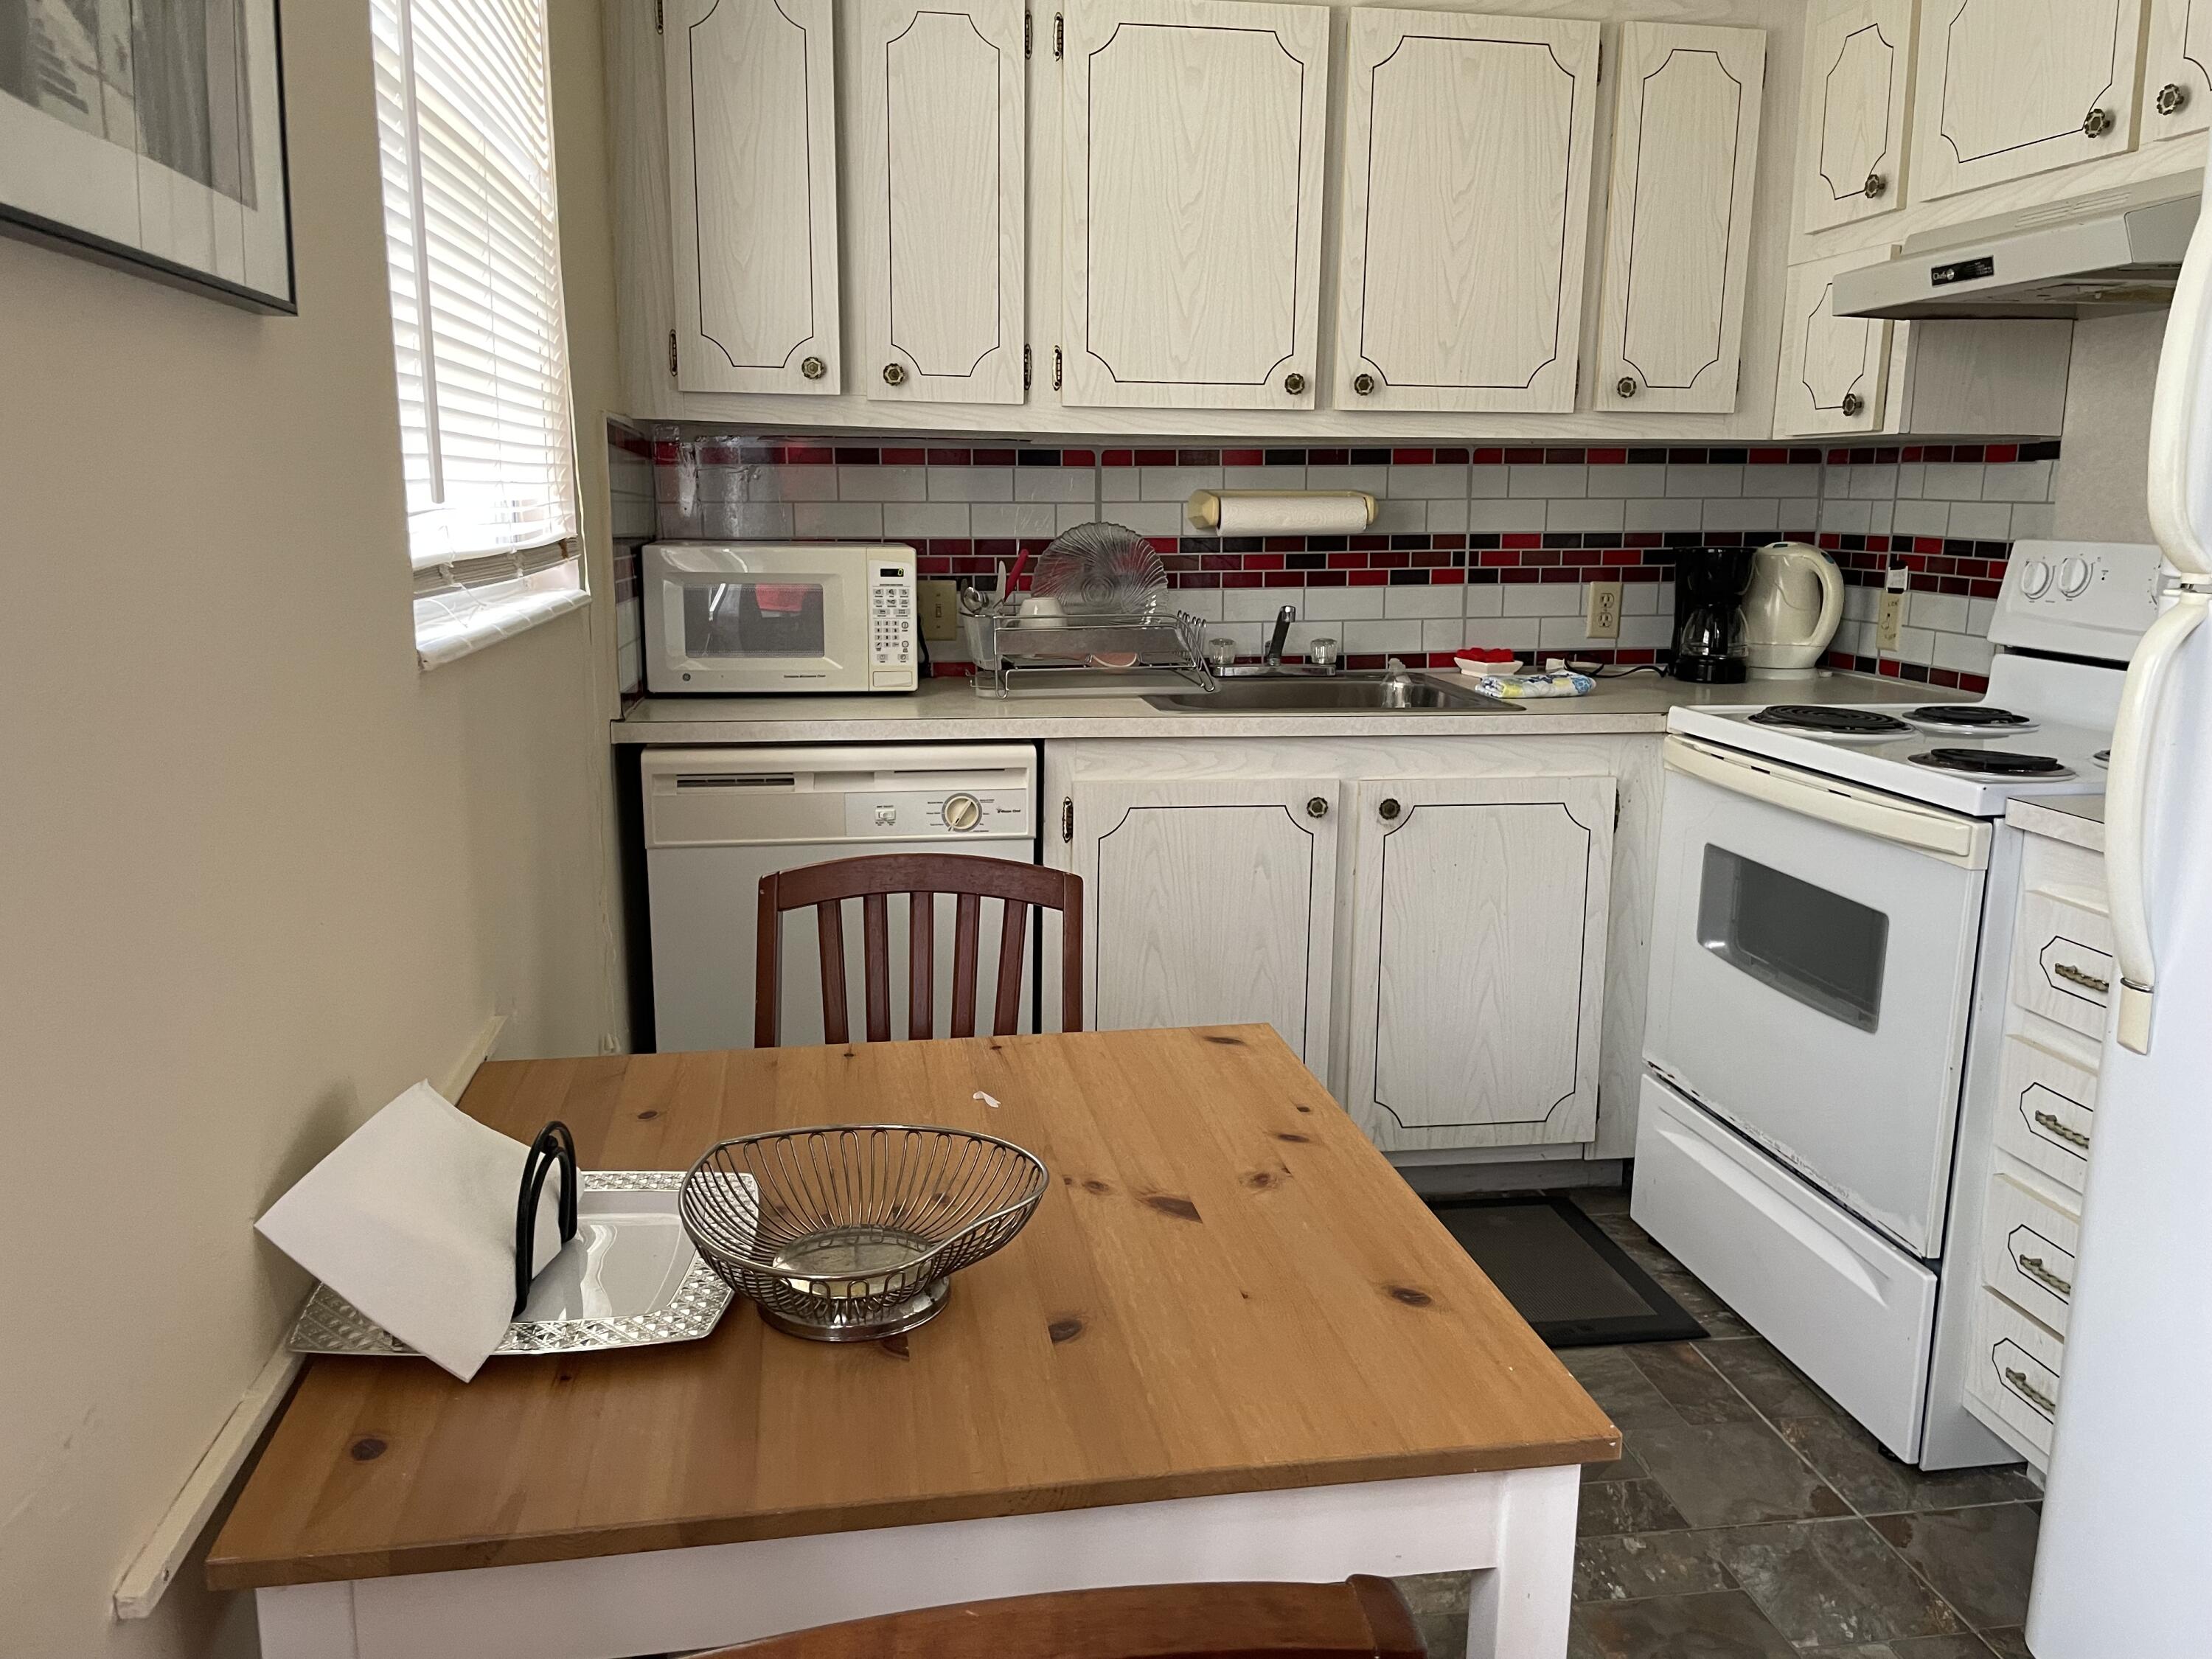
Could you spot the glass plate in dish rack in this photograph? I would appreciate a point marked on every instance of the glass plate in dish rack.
(630, 1279)
(1101, 570)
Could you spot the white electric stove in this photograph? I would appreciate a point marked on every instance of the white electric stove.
(1824, 876)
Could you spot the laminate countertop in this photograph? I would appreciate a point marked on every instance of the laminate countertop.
(949, 711)
(2077, 820)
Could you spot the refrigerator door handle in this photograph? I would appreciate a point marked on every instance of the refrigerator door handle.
(2126, 813)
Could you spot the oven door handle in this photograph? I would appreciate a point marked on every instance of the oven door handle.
(1960, 840)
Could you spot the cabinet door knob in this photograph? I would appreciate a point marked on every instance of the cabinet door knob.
(1876, 185)
(1626, 386)
(1363, 384)
(1317, 807)
(1390, 810)
(1294, 383)
(2096, 124)
(813, 368)
(2173, 98)
(1852, 404)
(894, 375)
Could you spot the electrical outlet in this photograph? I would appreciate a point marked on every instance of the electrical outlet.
(1889, 621)
(940, 609)
(1601, 620)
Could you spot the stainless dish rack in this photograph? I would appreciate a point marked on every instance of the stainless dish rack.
(1083, 655)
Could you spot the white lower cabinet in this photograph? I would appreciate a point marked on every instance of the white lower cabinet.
(1478, 959)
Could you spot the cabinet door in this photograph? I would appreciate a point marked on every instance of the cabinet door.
(939, 118)
(1678, 232)
(1858, 95)
(1834, 370)
(1478, 960)
(1209, 902)
(752, 181)
(2009, 88)
(1193, 138)
(2177, 81)
(1467, 176)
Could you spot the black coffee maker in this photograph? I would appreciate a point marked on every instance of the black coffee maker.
(1709, 588)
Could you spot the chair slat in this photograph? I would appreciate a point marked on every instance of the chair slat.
(921, 966)
(967, 922)
(768, 969)
(1013, 936)
(876, 965)
(830, 925)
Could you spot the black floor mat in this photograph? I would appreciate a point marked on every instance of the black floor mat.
(1563, 1275)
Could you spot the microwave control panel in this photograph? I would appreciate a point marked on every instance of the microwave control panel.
(894, 628)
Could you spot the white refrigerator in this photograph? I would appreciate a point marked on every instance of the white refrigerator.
(2124, 1566)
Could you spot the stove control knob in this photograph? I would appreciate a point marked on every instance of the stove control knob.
(2074, 577)
(2035, 578)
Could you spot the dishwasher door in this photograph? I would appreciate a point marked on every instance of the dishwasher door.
(716, 821)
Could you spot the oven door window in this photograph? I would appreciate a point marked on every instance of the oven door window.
(751, 619)
(1813, 945)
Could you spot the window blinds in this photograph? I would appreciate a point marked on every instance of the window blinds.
(464, 128)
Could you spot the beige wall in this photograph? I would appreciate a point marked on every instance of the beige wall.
(257, 873)
(2101, 493)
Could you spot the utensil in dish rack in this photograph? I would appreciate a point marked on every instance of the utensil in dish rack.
(849, 1232)
(1101, 570)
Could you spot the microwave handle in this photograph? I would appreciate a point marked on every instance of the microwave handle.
(1956, 841)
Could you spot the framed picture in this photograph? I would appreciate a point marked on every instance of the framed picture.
(151, 134)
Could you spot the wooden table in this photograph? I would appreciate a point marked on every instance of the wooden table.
(1231, 1344)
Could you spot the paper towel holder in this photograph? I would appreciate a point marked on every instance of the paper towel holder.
(1203, 507)
(554, 1146)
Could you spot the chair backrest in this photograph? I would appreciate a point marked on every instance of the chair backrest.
(921, 877)
(1363, 1618)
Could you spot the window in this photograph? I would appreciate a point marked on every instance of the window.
(473, 238)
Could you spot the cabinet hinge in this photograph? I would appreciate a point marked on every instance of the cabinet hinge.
(658, 28)
(672, 351)
(1059, 34)
(1025, 368)
(1067, 817)
(1029, 34)
(1055, 368)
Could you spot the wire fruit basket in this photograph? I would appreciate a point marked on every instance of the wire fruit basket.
(849, 1232)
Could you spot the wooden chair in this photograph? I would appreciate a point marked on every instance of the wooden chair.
(921, 877)
(1363, 1618)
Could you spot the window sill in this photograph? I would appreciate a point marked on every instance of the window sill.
(447, 628)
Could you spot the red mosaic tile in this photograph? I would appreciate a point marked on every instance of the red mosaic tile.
(994, 457)
(1412, 458)
(1607, 456)
(905, 457)
(1078, 458)
(1368, 578)
(948, 458)
(1997, 453)
(1488, 457)
(1118, 458)
(1524, 457)
(1243, 457)
(1523, 538)
(1769, 457)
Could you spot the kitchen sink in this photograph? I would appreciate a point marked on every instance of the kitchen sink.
(1352, 692)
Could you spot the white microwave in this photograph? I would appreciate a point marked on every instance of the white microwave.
(728, 616)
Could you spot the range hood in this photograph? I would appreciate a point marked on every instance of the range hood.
(2119, 250)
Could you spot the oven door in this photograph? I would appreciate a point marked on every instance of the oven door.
(733, 618)
(1813, 961)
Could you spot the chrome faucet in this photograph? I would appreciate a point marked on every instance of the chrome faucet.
(1284, 618)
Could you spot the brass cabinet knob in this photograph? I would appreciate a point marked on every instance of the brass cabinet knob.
(1363, 384)
(2173, 98)
(1626, 386)
(2096, 124)
(1852, 404)
(894, 375)
(1294, 383)
(1875, 185)
(1317, 807)
(813, 368)
(1390, 810)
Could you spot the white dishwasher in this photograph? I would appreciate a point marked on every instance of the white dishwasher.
(717, 820)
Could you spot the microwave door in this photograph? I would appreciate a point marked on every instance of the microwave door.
(732, 618)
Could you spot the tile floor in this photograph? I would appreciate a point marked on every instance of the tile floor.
(1750, 1518)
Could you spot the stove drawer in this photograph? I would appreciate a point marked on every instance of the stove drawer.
(2029, 1244)
(2015, 1373)
(1845, 1305)
(2045, 1111)
(2063, 965)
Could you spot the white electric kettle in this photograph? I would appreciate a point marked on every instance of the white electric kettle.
(1790, 610)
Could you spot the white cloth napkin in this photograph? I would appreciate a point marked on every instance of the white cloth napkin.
(412, 1219)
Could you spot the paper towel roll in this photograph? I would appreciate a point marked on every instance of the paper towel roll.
(1282, 511)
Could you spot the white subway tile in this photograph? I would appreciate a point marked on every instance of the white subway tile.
(1263, 478)
(1486, 599)
(1055, 483)
(1430, 482)
(1637, 479)
(1426, 600)
(1510, 634)
(1145, 518)
(837, 520)
(1543, 600)
(1914, 645)
(2016, 481)
(1444, 634)
(1982, 521)
(998, 520)
(1800, 516)
(1963, 654)
(1845, 517)
(1116, 483)
(1375, 480)
(1393, 517)
(1921, 518)
(1548, 481)
(1647, 633)
(881, 483)
(1705, 481)
(1584, 516)
(1779, 481)
(2033, 521)
(1367, 639)
(1980, 613)
(1679, 514)
(1722, 513)
(1569, 636)
(1205, 602)
(1448, 518)
(1166, 483)
(800, 484)
(1344, 603)
(1255, 603)
(1911, 480)
(1504, 518)
(971, 483)
(1068, 515)
(1954, 481)
(1881, 517)
(1488, 483)
(1873, 483)
(946, 520)
(1945, 613)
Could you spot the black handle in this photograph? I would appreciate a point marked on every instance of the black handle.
(554, 1145)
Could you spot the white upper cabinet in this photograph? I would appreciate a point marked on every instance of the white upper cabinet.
(2010, 88)
(2177, 83)
(1467, 178)
(936, 156)
(1478, 960)
(1678, 232)
(1192, 141)
(752, 179)
(1834, 369)
(1858, 95)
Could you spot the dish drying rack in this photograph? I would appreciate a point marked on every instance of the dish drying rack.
(1076, 656)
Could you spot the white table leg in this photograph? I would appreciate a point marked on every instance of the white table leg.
(1519, 1609)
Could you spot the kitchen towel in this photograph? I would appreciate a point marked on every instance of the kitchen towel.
(412, 1219)
(1282, 511)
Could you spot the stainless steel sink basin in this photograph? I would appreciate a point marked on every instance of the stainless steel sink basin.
(1355, 692)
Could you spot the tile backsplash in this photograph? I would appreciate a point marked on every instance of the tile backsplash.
(1485, 546)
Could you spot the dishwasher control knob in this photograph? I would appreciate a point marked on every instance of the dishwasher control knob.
(2035, 578)
(2074, 577)
(963, 812)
